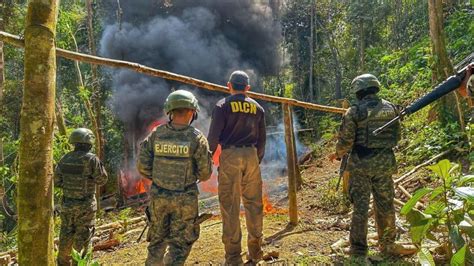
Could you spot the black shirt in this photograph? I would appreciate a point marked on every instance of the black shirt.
(238, 120)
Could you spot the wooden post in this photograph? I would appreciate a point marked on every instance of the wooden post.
(292, 161)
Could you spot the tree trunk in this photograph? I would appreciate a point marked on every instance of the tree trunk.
(60, 119)
(96, 90)
(87, 102)
(2, 82)
(442, 67)
(311, 51)
(338, 68)
(361, 46)
(35, 181)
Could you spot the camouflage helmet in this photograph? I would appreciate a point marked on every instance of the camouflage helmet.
(81, 135)
(363, 82)
(181, 99)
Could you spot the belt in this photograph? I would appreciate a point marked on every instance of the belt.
(224, 147)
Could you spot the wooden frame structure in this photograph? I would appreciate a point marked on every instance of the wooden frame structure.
(287, 103)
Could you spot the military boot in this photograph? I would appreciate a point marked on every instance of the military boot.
(398, 249)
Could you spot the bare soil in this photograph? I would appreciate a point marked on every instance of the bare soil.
(323, 220)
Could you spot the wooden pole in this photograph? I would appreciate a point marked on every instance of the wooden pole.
(19, 42)
(292, 163)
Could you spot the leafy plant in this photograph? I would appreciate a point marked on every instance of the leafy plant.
(447, 219)
(84, 259)
(123, 217)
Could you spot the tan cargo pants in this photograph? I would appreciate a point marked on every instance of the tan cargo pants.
(239, 175)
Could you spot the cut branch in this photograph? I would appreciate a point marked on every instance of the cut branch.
(403, 179)
(19, 42)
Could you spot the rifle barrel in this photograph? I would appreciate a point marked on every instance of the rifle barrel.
(388, 124)
(439, 91)
(442, 89)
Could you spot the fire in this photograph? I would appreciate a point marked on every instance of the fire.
(155, 124)
(268, 207)
(210, 186)
(133, 184)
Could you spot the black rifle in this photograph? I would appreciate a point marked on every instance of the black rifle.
(439, 91)
(342, 169)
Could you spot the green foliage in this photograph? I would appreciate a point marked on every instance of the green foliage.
(447, 216)
(8, 240)
(123, 217)
(425, 258)
(84, 259)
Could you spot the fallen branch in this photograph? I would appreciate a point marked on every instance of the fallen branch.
(106, 244)
(120, 224)
(96, 60)
(418, 167)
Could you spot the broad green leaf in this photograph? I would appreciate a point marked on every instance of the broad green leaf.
(466, 193)
(441, 168)
(419, 225)
(412, 202)
(425, 258)
(459, 258)
(436, 192)
(435, 208)
(466, 180)
(456, 237)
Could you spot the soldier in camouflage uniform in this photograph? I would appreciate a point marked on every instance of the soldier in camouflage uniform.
(175, 156)
(78, 173)
(371, 164)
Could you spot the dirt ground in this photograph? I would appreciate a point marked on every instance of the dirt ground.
(323, 220)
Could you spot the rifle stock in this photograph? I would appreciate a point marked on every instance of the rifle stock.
(445, 87)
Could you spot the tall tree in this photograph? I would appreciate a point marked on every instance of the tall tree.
(441, 67)
(97, 92)
(35, 182)
(2, 80)
(311, 52)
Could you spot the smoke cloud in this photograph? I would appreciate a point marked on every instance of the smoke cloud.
(206, 39)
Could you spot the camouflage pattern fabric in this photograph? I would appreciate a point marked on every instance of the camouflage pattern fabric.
(77, 229)
(77, 173)
(174, 158)
(371, 171)
(172, 225)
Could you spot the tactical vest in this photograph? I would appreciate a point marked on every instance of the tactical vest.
(77, 180)
(173, 150)
(371, 118)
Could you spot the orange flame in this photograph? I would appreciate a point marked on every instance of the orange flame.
(268, 207)
(133, 184)
(210, 186)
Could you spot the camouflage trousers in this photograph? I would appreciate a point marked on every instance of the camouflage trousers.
(239, 176)
(366, 177)
(77, 229)
(172, 226)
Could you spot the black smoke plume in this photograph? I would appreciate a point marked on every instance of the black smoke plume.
(205, 39)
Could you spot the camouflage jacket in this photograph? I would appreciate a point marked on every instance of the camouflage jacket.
(78, 173)
(359, 122)
(175, 158)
